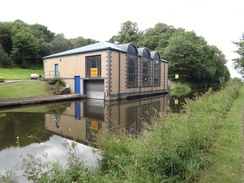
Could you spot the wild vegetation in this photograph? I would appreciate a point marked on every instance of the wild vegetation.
(56, 83)
(239, 62)
(2, 79)
(182, 147)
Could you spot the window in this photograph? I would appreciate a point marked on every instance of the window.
(145, 72)
(157, 70)
(146, 68)
(93, 66)
(132, 66)
(132, 71)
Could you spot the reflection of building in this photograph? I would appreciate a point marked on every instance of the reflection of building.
(83, 119)
(109, 71)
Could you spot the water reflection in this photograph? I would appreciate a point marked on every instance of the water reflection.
(44, 128)
(83, 119)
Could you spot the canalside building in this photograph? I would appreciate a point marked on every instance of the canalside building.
(109, 71)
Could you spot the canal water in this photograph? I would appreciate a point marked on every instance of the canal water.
(44, 129)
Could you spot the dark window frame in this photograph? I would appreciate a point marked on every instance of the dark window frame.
(93, 61)
(132, 71)
(156, 73)
(146, 72)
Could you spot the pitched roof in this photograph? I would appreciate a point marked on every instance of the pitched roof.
(88, 48)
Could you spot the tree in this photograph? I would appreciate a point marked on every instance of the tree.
(195, 61)
(129, 32)
(5, 37)
(25, 48)
(239, 62)
(60, 43)
(42, 32)
(157, 38)
(5, 60)
(81, 41)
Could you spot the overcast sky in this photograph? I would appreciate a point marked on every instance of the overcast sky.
(219, 21)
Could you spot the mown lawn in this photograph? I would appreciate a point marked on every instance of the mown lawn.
(18, 74)
(32, 88)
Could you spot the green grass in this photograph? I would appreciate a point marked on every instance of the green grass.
(227, 150)
(23, 90)
(18, 74)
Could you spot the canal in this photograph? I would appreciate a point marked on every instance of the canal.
(44, 129)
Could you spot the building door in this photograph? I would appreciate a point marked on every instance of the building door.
(77, 84)
(95, 89)
(56, 71)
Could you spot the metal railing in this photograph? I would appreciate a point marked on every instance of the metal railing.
(51, 74)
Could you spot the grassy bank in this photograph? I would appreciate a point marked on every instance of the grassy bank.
(23, 90)
(202, 144)
(18, 74)
(179, 147)
(227, 150)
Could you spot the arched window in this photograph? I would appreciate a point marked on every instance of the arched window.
(146, 68)
(156, 68)
(132, 66)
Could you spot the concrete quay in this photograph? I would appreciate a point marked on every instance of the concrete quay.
(38, 100)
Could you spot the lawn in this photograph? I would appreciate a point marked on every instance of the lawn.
(18, 74)
(32, 88)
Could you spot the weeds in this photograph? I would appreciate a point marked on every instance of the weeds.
(57, 83)
(177, 148)
(37, 170)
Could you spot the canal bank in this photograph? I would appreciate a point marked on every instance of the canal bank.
(37, 100)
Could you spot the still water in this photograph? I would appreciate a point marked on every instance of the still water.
(43, 129)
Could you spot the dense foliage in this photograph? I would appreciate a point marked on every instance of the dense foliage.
(239, 62)
(189, 55)
(23, 45)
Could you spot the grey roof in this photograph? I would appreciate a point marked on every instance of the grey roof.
(88, 48)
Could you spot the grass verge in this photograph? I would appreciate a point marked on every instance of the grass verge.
(227, 150)
(18, 74)
(23, 90)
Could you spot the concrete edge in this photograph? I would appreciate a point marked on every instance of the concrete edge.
(37, 100)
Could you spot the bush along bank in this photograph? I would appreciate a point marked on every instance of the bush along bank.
(176, 149)
(2, 79)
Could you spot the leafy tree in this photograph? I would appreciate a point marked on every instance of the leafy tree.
(60, 43)
(5, 60)
(5, 38)
(18, 26)
(129, 32)
(239, 62)
(81, 41)
(25, 48)
(42, 32)
(196, 62)
(157, 37)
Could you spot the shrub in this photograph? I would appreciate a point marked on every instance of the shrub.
(2, 79)
(57, 83)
